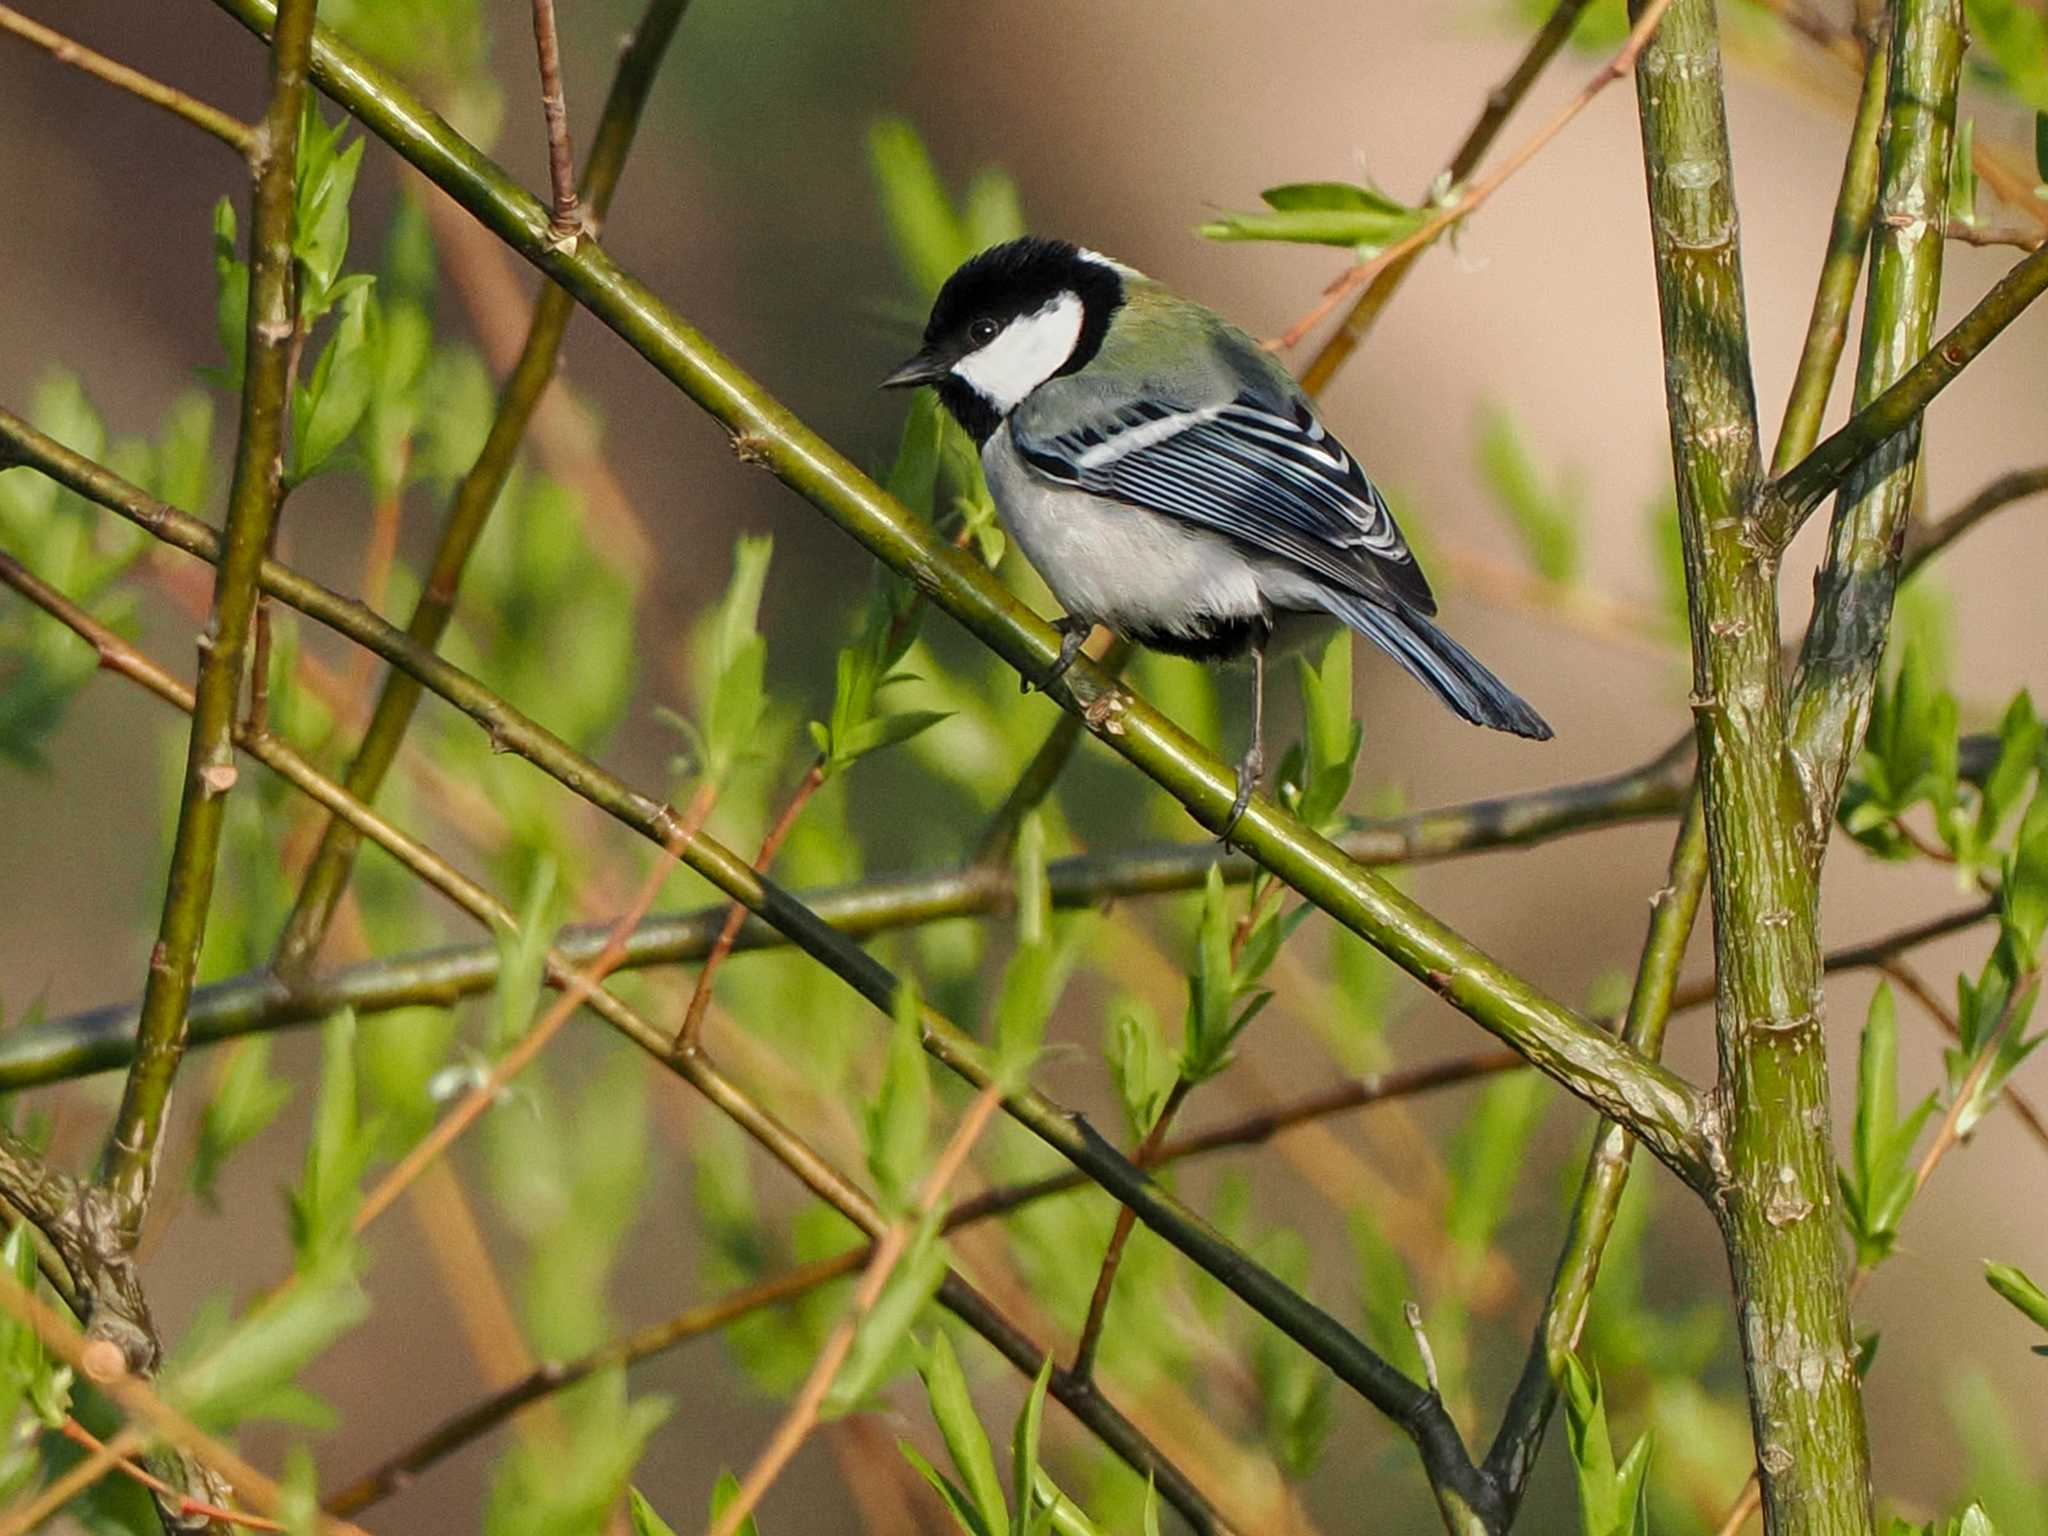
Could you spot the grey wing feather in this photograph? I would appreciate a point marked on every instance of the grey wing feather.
(1262, 470)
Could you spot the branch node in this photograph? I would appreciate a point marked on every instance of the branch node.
(1413, 1313)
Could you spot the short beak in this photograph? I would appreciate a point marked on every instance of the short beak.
(921, 369)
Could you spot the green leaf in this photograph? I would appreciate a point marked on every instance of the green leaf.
(647, 1523)
(231, 295)
(249, 1097)
(899, 1121)
(1488, 1156)
(879, 1342)
(1031, 987)
(991, 213)
(327, 179)
(1024, 1450)
(2017, 1287)
(1338, 213)
(1141, 1065)
(250, 1370)
(964, 1514)
(324, 1204)
(1323, 213)
(28, 1376)
(2013, 35)
(1877, 1185)
(1545, 516)
(723, 1493)
(332, 401)
(1330, 736)
(926, 235)
(1385, 1287)
(1613, 1500)
(966, 1441)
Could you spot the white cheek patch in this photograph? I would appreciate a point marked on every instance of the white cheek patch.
(1028, 351)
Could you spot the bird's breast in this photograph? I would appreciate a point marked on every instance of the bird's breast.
(1141, 574)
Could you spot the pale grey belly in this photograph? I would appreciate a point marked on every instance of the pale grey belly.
(1132, 570)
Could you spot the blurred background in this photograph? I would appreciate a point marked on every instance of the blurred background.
(750, 205)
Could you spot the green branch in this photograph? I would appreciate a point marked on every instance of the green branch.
(1800, 489)
(1774, 1162)
(1612, 1077)
(252, 505)
(1672, 913)
(1813, 381)
(1853, 591)
(102, 1038)
(327, 875)
(109, 1268)
(1418, 1412)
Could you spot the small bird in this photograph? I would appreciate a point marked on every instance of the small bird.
(1170, 480)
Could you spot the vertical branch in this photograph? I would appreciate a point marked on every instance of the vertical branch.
(566, 223)
(327, 876)
(1848, 234)
(1775, 1168)
(1673, 911)
(252, 506)
(1854, 588)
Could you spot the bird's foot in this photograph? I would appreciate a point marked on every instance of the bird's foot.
(1074, 633)
(1249, 771)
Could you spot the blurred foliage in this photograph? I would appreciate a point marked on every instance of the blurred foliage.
(391, 412)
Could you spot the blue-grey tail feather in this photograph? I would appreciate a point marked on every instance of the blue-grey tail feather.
(1442, 665)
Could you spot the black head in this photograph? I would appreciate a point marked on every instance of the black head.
(1008, 320)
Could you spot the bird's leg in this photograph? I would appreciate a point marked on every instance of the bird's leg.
(1074, 633)
(1253, 765)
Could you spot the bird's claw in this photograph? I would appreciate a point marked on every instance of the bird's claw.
(1074, 634)
(1249, 772)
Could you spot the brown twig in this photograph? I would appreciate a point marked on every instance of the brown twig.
(100, 1363)
(471, 1423)
(1478, 192)
(565, 225)
(1501, 102)
(231, 131)
(889, 1251)
(1112, 1257)
(175, 1499)
(735, 919)
(82, 1475)
(582, 986)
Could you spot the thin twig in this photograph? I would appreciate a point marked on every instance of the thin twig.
(471, 1423)
(87, 1471)
(1091, 1408)
(1474, 197)
(889, 1251)
(1146, 1154)
(231, 131)
(1501, 102)
(700, 995)
(177, 1500)
(101, 1364)
(583, 985)
(565, 227)
(526, 391)
(1910, 981)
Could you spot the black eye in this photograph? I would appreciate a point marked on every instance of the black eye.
(983, 331)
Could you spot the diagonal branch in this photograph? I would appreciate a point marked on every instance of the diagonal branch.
(1795, 494)
(298, 946)
(252, 504)
(52, 1195)
(231, 131)
(1615, 1079)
